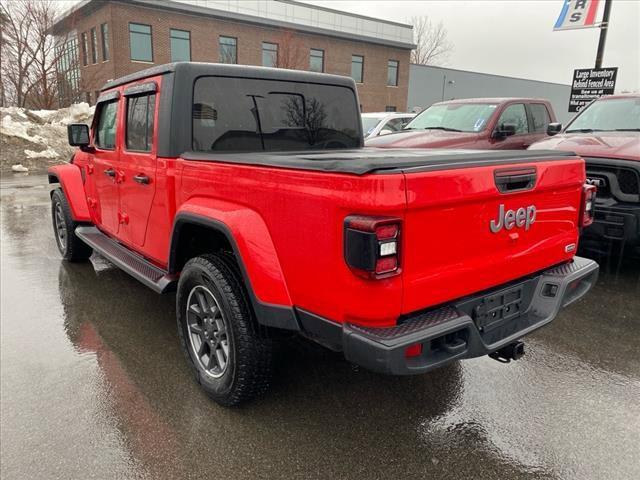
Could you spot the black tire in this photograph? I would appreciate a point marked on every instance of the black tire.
(71, 247)
(245, 371)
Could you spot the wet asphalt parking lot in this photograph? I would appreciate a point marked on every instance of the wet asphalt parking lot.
(94, 385)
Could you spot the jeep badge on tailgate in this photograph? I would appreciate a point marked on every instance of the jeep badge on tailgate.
(522, 217)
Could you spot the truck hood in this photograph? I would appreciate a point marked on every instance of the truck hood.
(622, 145)
(423, 139)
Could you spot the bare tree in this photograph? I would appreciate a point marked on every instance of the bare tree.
(432, 45)
(28, 53)
(291, 51)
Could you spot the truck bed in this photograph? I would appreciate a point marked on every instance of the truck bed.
(375, 160)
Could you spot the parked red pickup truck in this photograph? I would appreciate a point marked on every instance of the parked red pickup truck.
(474, 123)
(606, 134)
(248, 191)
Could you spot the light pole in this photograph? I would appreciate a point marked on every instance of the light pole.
(603, 32)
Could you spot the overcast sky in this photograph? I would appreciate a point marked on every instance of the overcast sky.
(516, 38)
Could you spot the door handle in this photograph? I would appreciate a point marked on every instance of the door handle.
(110, 172)
(141, 179)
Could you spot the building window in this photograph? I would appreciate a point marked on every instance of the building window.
(68, 72)
(357, 64)
(94, 46)
(269, 54)
(390, 108)
(316, 60)
(180, 45)
(228, 50)
(392, 73)
(140, 115)
(104, 30)
(140, 42)
(85, 49)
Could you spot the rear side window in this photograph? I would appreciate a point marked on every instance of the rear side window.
(140, 115)
(515, 115)
(106, 127)
(232, 114)
(540, 117)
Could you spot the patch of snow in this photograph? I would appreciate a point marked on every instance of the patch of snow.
(45, 115)
(19, 129)
(48, 153)
(19, 168)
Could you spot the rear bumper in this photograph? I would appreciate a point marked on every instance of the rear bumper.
(471, 327)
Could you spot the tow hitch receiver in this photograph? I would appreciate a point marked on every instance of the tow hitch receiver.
(513, 351)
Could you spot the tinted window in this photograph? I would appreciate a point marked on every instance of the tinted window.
(395, 125)
(269, 54)
(540, 117)
(228, 50)
(180, 46)
(231, 114)
(316, 60)
(140, 114)
(140, 42)
(465, 117)
(392, 73)
(106, 127)
(357, 66)
(608, 115)
(515, 115)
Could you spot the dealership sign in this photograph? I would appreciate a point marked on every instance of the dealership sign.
(589, 84)
(577, 14)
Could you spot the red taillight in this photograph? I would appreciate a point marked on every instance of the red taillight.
(371, 245)
(588, 205)
(413, 351)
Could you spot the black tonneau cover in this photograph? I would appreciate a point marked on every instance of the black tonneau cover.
(380, 160)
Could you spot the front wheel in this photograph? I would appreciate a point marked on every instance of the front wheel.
(229, 356)
(71, 247)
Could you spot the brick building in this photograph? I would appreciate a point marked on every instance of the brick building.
(105, 39)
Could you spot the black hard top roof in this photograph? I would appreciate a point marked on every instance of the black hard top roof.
(226, 70)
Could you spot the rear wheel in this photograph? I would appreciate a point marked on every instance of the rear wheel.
(71, 247)
(229, 355)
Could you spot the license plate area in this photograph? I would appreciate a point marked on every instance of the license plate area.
(499, 308)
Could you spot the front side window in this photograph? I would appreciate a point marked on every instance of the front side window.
(106, 127)
(228, 50)
(269, 54)
(540, 117)
(515, 115)
(94, 46)
(457, 117)
(104, 30)
(357, 67)
(617, 114)
(85, 49)
(140, 115)
(316, 60)
(234, 114)
(140, 42)
(180, 45)
(392, 73)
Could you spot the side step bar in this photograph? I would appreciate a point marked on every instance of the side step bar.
(132, 263)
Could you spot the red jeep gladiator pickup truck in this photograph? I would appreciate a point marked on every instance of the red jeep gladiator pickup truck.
(478, 123)
(606, 134)
(248, 191)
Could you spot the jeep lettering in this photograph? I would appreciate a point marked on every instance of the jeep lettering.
(521, 217)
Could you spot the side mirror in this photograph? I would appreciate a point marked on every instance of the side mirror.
(554, 129)
(385, 131)
(78, 135)
(504, 130)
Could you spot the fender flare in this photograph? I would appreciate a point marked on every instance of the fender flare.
(257, 259)
(70, 179)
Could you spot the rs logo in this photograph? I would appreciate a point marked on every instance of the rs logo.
(523, 217)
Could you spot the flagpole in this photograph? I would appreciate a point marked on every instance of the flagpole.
(603, 32)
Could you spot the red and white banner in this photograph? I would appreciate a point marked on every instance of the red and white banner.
(578, 14)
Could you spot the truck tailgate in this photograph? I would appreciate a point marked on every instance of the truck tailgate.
(450, 249)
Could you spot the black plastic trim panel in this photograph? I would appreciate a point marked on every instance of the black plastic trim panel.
(139, 89)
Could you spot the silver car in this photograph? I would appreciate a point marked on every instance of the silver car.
(382, 123)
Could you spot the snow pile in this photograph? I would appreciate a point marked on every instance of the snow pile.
(38, 138)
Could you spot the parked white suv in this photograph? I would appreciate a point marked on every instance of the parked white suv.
(382, 123)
